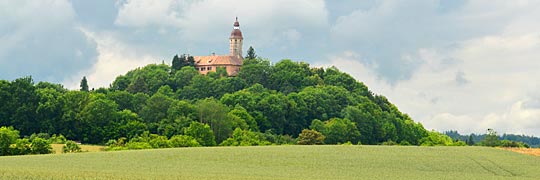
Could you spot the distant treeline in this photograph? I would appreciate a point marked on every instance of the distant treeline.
(530, 140)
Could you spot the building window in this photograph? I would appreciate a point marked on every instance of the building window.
(209, 68)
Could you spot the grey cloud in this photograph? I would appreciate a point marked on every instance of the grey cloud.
(389, 33)
(41, 40)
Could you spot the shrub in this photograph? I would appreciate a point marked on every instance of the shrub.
(310, 137)
(436, 139)
(45, 136)
(21, 147)
(60, 139)
(8, 136)
(389, 143)
(159, 141)
(508, 143)
(71, 147)
(202, 133)
(404, 143)
(40, 146)
(183, 141)
(138, 145)
(244, 138)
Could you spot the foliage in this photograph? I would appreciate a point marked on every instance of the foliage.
(71, 147)
(491, 139)
(84, 84)
(244, 138)
(337, 130)
(40, 146)
(310, 137)
(8, 136)
(251, 53)
(279, 99)
(436, 139)
(183, 141)
(202, 133)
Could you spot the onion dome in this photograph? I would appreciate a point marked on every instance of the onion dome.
(236, 33)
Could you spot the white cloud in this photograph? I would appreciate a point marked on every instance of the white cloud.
(114, 58)
(210, 20)
(501, 73)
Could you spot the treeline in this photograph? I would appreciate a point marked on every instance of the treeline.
(265, 101)
(473, 139)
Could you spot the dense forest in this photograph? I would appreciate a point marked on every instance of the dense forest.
(280, 99)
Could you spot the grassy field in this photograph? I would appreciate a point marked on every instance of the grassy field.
(57, 148)
(279, 162)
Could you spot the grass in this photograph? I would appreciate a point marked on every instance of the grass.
(279, 162)
(57, 148)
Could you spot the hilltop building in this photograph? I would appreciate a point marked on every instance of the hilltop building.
(232, 62)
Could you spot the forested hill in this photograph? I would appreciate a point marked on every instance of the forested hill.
(280, 99)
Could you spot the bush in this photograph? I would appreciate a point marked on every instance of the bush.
(183, 141)
(310, 137)
(508, 143)
(244, 138)
(40, 146)
(8, 136)
(71, 147)
(404, 143)
(389, 143)
(436, 139)
(21, 147)
(202, 133)
(60, 139)
(138, 145)
(159, 141)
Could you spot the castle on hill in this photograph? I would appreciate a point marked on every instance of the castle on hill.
(232, 62)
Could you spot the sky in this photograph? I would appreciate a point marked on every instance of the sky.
(451, 65)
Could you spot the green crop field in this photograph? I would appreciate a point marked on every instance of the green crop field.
(279, 162)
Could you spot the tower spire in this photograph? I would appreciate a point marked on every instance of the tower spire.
(236, 40)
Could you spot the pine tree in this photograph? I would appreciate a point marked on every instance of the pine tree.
(251, 53)
(84, 84)
(176, 63)
(191, 61)
(470, 142)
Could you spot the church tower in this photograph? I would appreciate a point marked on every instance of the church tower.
(235, 40)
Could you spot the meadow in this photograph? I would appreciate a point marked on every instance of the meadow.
(279, 162)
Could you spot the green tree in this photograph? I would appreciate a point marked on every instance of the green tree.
(202, 133)
(337, 130)
(8, 136)
(251, 53)
(176, 64)
(244, 138)
(470, 141)
(139, 85)
(436, 139)
(183, 141)
(40, 146)
(84, 84)
(212, 112)
(97, 120)
(255, 71)
(155, 110)
(310, 137)
(491, 139)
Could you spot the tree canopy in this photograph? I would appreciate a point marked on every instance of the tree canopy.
(266, 102)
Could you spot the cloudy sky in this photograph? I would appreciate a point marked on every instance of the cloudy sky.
(452, 65)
